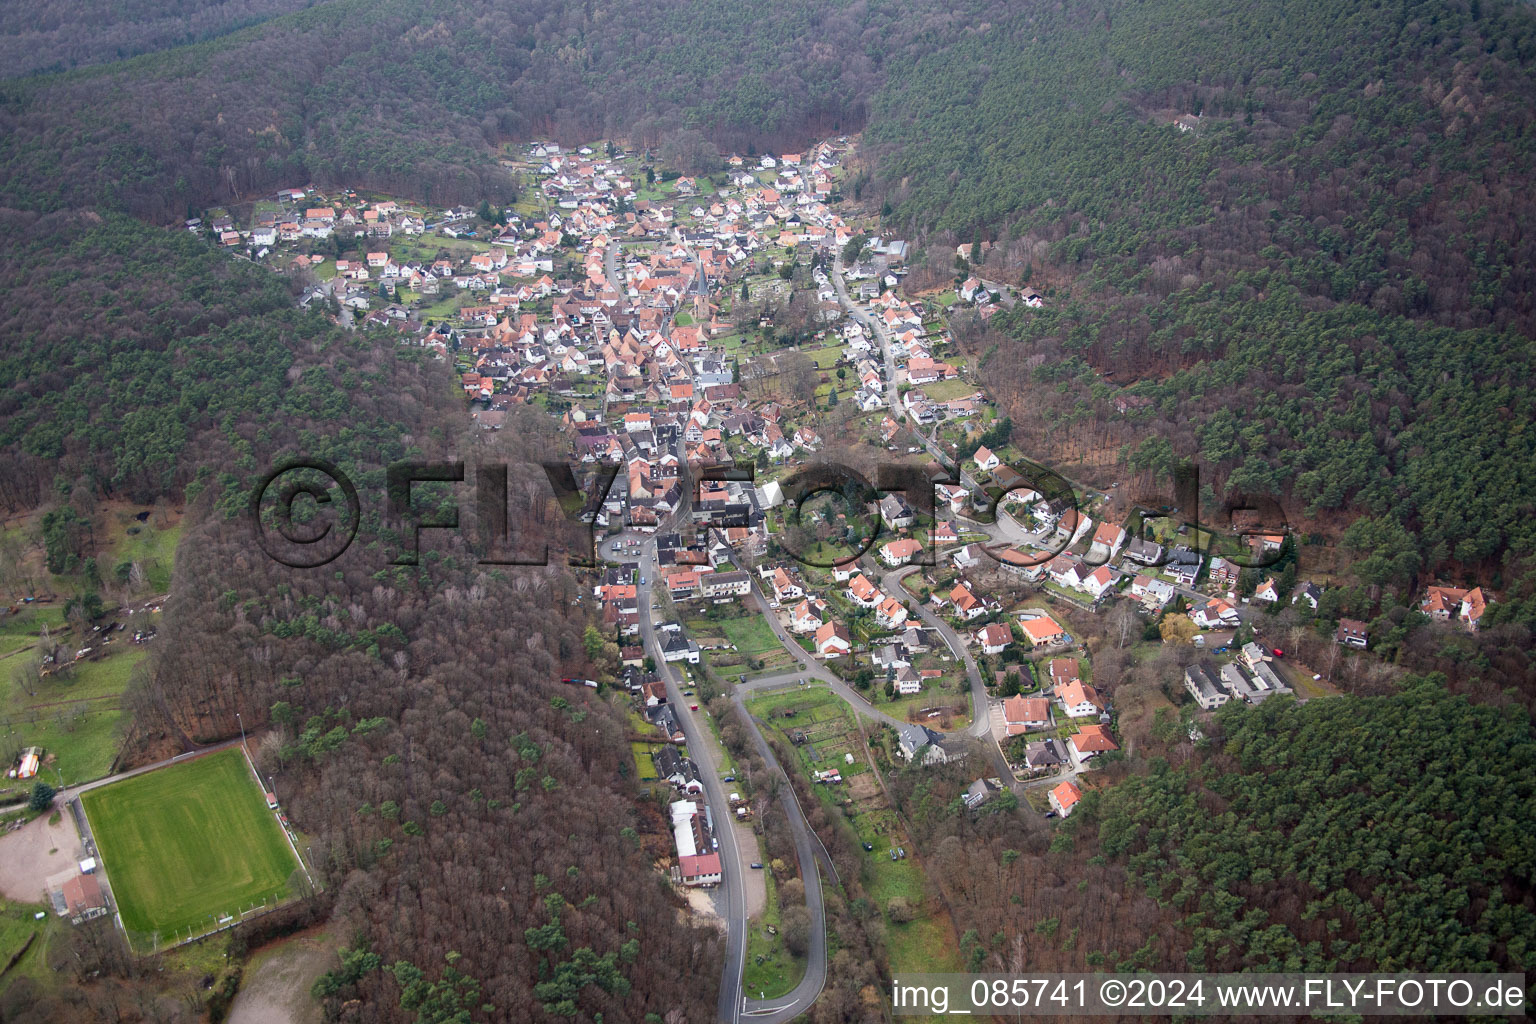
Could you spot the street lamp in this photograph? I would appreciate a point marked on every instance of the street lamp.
(242, 732)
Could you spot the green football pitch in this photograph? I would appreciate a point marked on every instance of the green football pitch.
(187, 845)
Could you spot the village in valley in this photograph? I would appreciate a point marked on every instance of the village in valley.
(750, 320)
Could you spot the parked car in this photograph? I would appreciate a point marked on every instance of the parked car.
(758, 867)
(868, 847)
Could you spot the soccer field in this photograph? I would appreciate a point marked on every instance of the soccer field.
(185, 845)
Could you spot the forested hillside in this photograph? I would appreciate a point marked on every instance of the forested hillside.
(1319, 285)
(1372, 153)
(62, 36)
(122, 345)
(413, 95)
(1382, 833)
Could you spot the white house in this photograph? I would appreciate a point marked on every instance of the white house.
(1079, 700)
(1064, 797)
(993, 638)
(832, 640)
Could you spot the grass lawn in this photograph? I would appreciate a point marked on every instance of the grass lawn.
(188, 844)
(823, 554)
(442, 309)
(826, 358)
(948, 390)
(752, 635)
(153, 549)
(84, 742)
(22, 629)
(644, 764)
(88, 679)
(17, 925)
(73, 717)
(925, 944)
(770, 969)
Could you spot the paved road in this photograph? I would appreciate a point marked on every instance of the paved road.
(73, 791)
(808, 849)
(876, 328)
(611, 265)
(891, 582)
(732, 887)
(810, 666)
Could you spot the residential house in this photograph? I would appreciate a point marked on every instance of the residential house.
(911, 739)
(1091, 741)
(1043, 754)
(1183, 566)
(1108, 539)
(1071, 526)
(908, 683)
(76, 896)
(895, 512)
(832, 640)
(1309, 593)
(672, 766)
(785, 587)
(900, 552)
(1215, 614)
(986, 459)
(966, 604)
(723, 585)
(864, 593)
(1064, 797)
(1144, 551)
(1079, 700)
(1473, 605)
(889, 657)
(1021, 714)
(1097, 582)
(1223, 573)
(978, 792)
(994, 638)
(891, 614)
(676, 647)
(968, 556)
(807, 616)
(1062, 672)
(1043, 631)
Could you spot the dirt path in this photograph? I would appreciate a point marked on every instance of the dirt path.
(32, 853)
(276, 984)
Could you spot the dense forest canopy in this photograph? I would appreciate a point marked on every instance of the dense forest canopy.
(57, 37)
(1343, 409)
(1368, 834)
(122, 344)
(412, 95)
(1370, 152)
